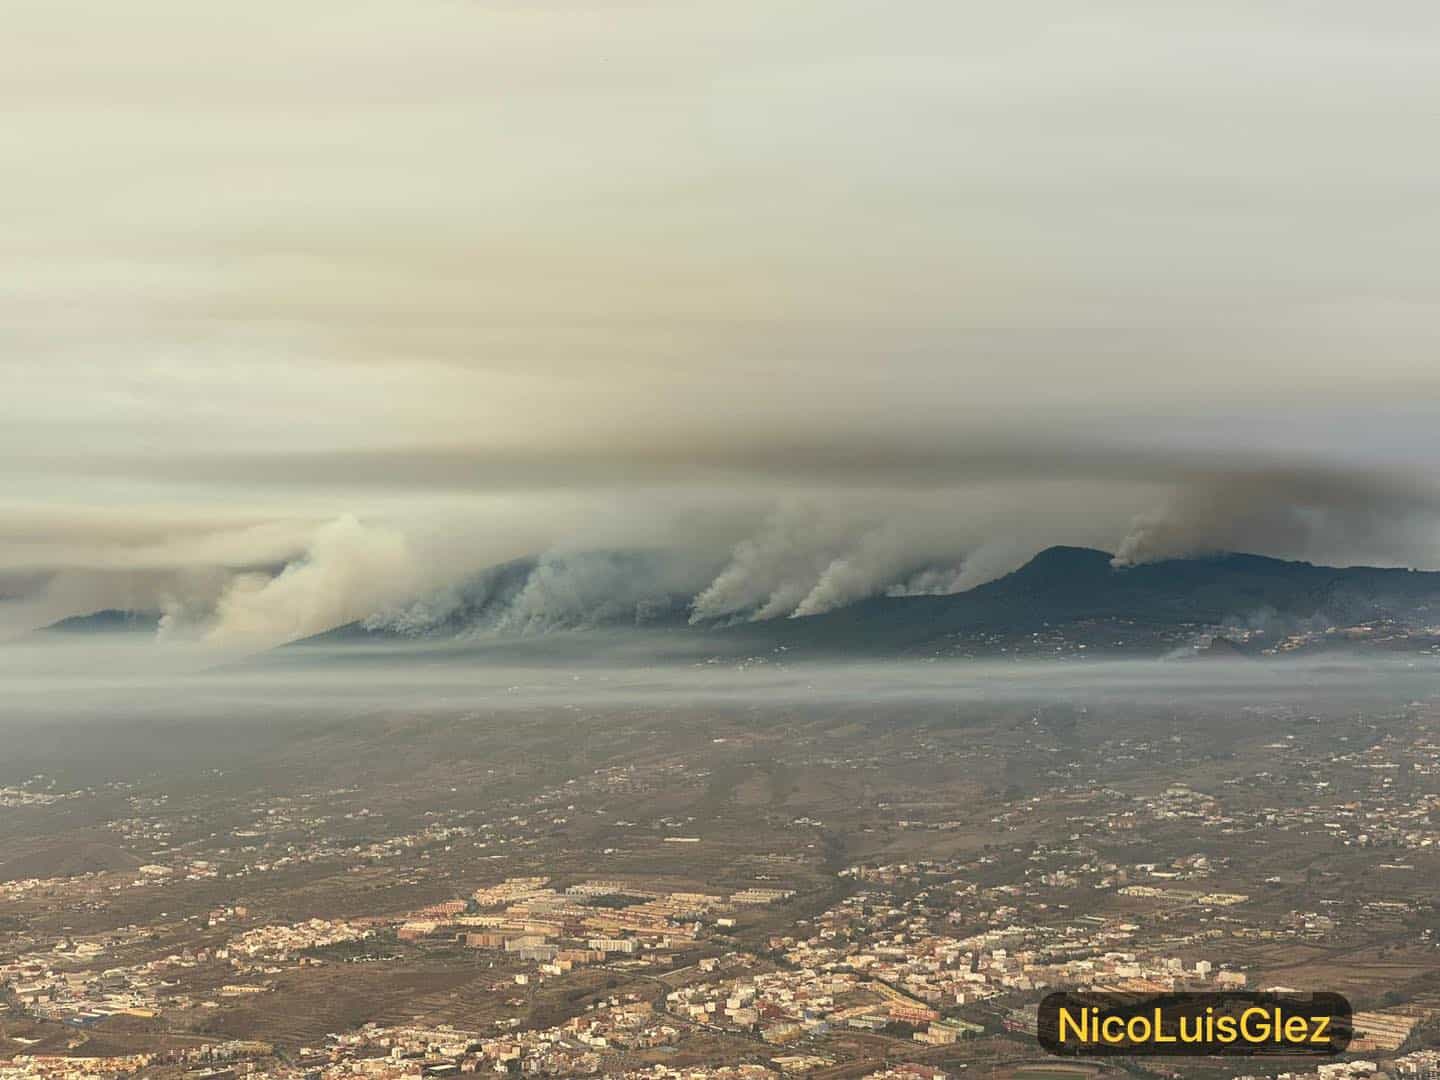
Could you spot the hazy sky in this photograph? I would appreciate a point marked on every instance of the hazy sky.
(415, 286)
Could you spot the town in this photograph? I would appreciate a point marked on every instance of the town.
(730, 893)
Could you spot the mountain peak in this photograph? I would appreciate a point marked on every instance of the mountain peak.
(1063, 561)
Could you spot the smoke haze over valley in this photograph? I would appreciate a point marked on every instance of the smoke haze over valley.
(718, 539)
(815, 309)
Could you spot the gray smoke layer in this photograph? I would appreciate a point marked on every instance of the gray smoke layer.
(558, 591)
(1308, 514)
(810, 557)
(876, 304)
(527, 567)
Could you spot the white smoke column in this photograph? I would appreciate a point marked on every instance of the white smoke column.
(812, 558)
(877, 559)
(588, 588)
(993, 559)
(771, 573)
(935, 581)
(782, 601)
(421, 615)
(187, 603)
(560, 593)
(349, 571)
(920, 556)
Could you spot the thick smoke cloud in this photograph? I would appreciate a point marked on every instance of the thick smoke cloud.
(348, 571)
(716, 559)
(590, 588)
(56, 563)
(1327, 516)
(825, 307)
(557, 591)
(712, 559)
(810, 558)
(872, 564)
(770, 574)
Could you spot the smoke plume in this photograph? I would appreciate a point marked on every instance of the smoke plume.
(1325, 516)
(349, 570)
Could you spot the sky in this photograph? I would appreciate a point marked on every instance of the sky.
(308, 308)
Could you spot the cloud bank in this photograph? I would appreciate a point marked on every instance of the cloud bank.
(314, 313)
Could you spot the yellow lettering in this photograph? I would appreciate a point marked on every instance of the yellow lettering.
(1260, 1033)
(1321, 1031)
(1082, 1029)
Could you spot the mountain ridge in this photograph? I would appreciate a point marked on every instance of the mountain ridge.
(1075, 594)
(1062, 587)
(105, 621)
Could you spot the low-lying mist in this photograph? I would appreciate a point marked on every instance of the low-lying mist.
(96, 679)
